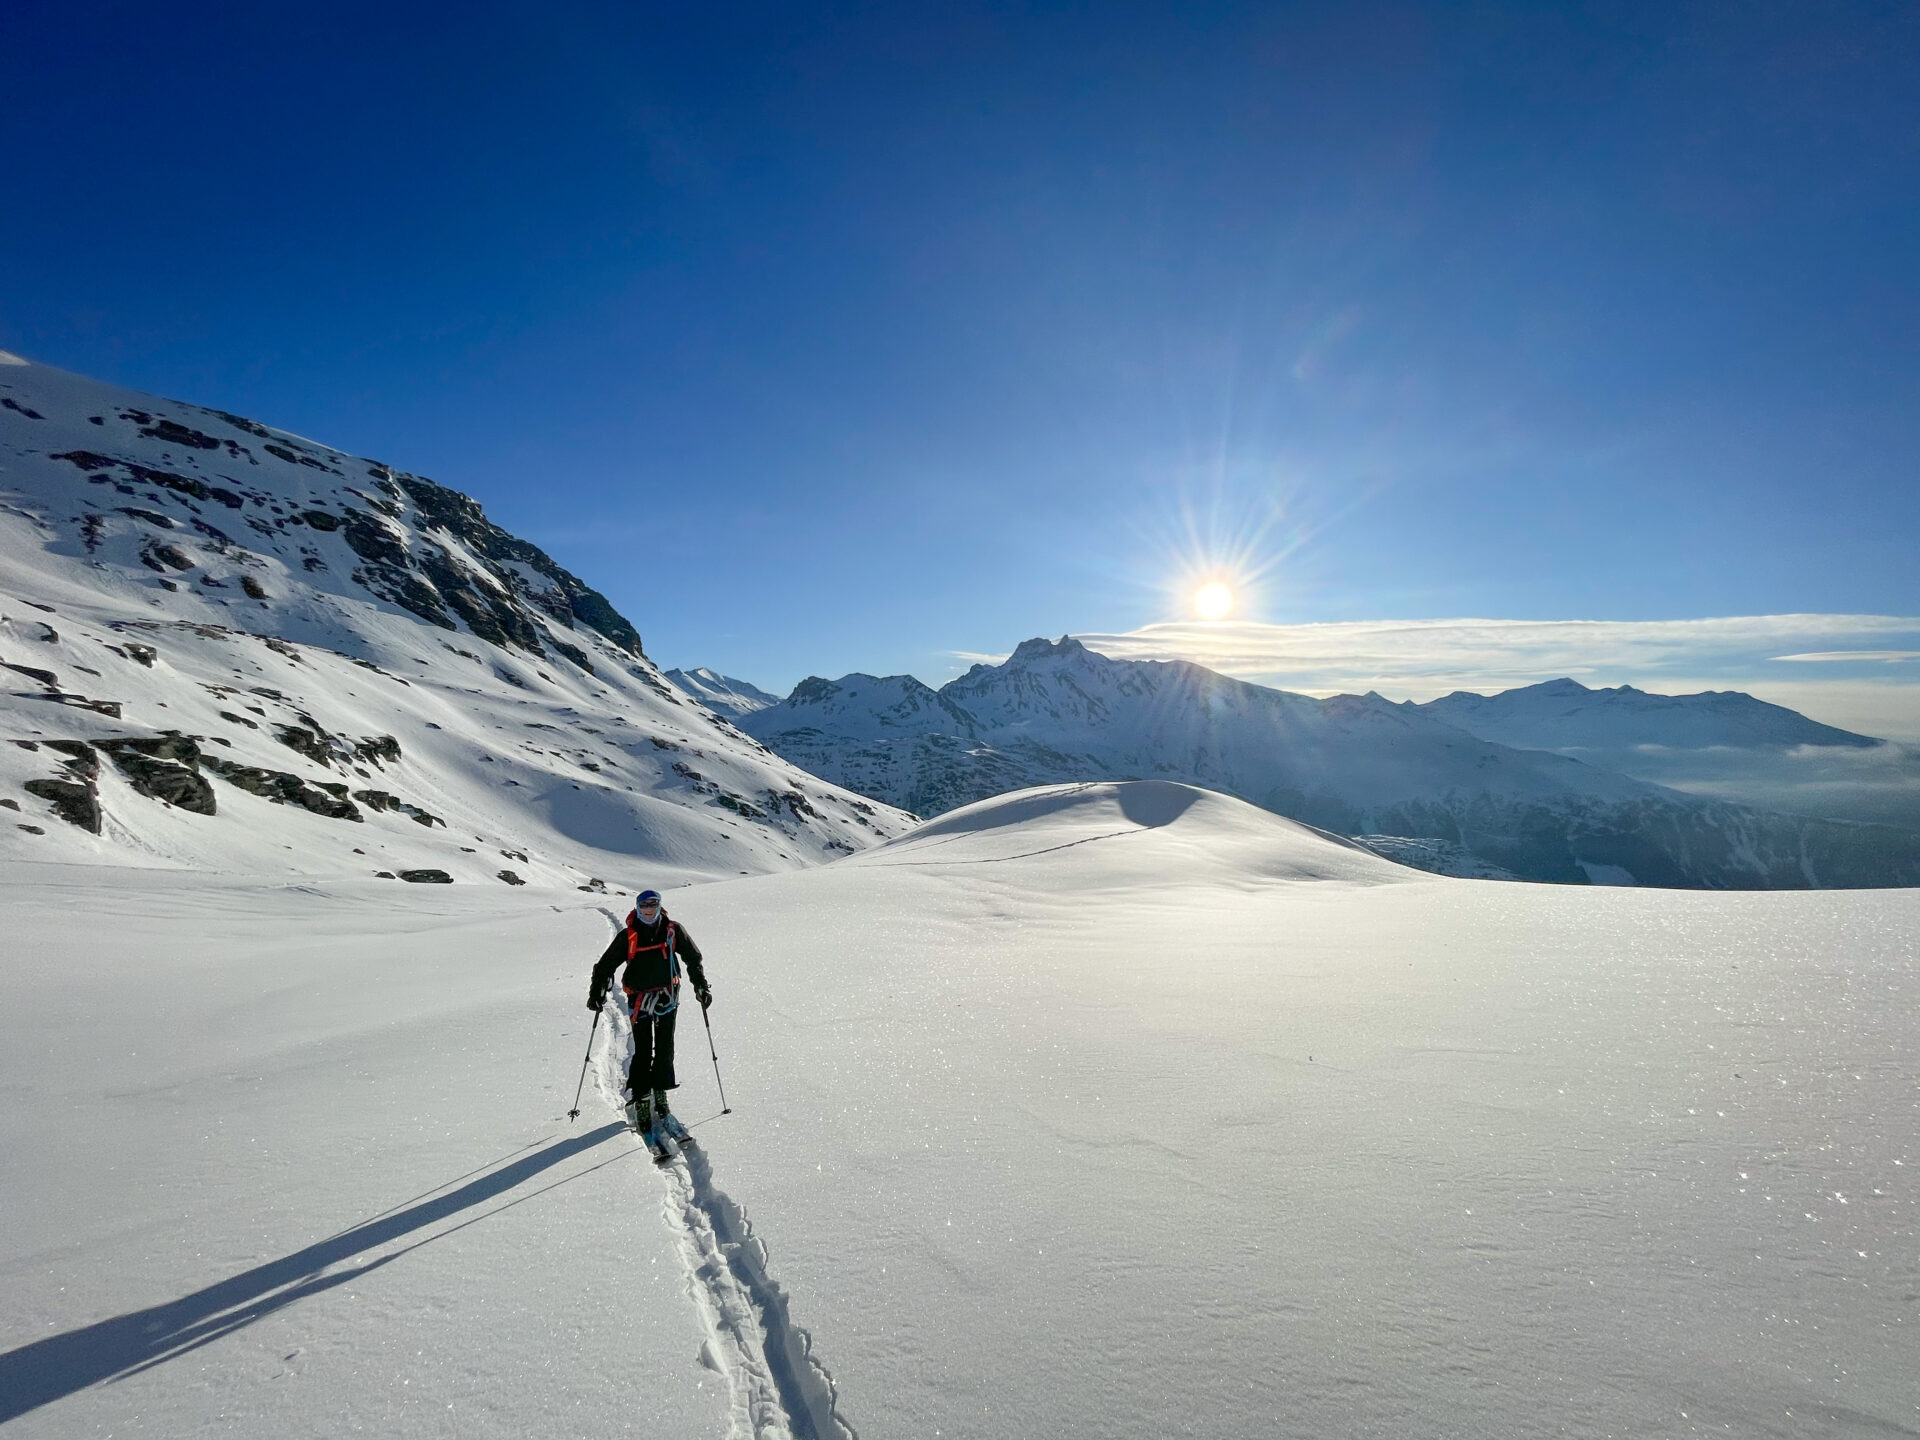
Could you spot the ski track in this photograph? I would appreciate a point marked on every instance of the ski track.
(777, 1389)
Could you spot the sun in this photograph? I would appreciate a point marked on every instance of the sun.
(1213, 601)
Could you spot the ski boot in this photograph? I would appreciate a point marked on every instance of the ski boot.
(669, 1122)
(647, 1123)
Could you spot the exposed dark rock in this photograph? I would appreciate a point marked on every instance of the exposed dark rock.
(796, 803)
(75, 802)
(489, 613)
(171, 745)
(321, 519)
(293, 458)
(183, 484)
(284, 789)
(511, 878)
(159, 556)
(151, 517)
(16, 406)
(239, 719)
(573, 653)
(86, 459)
(141, 654)
(177, 434)
(373, 540)
(385, 800)
(311, 743)
(253, 587)
(378, 748)
(108, 708)
(45, 677)
(7, 803)
(426, 877)
(164, 767)
(239, 422)
(81, 759)
(406, 590)
(166, 780)
(31, 829)
(221, 540)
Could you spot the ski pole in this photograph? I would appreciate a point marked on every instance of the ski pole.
(725, 1109)
(574, 1114)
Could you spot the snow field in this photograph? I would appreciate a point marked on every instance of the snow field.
(778, 1391)
(1119, 1110)
(1130, 1137)
(292, 1160)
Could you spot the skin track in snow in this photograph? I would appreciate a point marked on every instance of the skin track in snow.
(777, 1390)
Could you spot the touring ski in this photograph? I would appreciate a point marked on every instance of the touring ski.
(675, 1131)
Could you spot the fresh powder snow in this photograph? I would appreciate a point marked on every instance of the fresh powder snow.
(1107, 1109)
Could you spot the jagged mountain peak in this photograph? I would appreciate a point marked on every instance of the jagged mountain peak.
(1039, 648)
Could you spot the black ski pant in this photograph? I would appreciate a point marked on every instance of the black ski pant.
(652, 1067)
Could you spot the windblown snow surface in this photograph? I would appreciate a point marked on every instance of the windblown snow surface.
(1105, 1110)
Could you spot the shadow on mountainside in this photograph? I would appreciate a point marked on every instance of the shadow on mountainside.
(46, 1370)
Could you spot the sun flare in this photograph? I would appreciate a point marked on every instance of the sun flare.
(1213, 601)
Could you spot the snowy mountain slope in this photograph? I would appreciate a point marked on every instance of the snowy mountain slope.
(721, 694)
(1565, 715)
(1056, 711)
(1126, 1111)
(230, 647)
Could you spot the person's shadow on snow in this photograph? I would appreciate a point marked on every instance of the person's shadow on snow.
(45, 1370)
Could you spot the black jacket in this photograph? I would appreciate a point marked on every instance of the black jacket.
(648, 968)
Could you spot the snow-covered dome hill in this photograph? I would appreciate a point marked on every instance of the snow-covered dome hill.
(1135, 834)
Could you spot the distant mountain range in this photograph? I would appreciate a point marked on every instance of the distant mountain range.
(229, 647)
(721, 694)
(1360, 765)
(1565, 715)
(1718, 744)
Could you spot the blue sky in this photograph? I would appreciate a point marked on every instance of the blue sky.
(872, 337)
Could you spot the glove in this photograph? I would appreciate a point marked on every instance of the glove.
(703, 995)
(596, 999)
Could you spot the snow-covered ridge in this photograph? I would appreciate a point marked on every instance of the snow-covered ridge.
(1056, 711)
(229, 646)
(721, 694)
